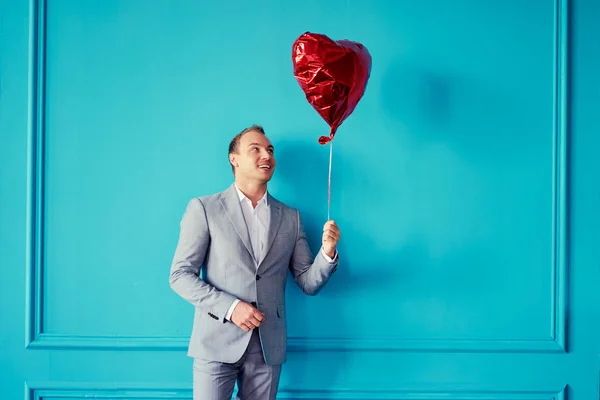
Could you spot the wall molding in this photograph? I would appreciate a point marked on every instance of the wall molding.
(37, 339)
(43, 392)
(123, 342)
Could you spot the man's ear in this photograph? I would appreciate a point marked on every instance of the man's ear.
(233, 161)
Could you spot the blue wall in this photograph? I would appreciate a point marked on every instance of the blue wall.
(465, 185)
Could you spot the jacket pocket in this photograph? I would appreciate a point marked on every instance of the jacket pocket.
(281, 310)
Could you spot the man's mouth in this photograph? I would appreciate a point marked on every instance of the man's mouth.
(264, 166)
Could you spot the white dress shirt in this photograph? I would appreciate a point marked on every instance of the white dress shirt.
(258, 219)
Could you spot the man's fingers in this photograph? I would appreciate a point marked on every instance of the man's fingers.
(250, 323)
(247, 317)
(250, 317)
(329, 238)
(255, 311)
(332, 232)
(259, 316)
(330, 225)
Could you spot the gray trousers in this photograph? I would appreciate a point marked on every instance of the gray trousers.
(256, 380)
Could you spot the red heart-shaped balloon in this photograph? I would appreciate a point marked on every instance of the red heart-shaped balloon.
(332, 74)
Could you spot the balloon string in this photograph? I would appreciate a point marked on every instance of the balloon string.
(329, 182)
(323, 140)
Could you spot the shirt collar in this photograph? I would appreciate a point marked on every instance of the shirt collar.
(243, 197)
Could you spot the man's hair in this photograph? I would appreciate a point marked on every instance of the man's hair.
(234, 145)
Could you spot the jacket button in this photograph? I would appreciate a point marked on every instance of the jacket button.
(257, 277)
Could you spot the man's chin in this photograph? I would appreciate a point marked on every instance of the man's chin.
(266, 177)
(260, 179)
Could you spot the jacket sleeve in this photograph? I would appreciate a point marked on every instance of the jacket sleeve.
(192, 246)
(310, 273)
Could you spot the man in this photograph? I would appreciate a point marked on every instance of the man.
(244, 241)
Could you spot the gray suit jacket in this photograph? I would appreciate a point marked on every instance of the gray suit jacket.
(214, 239)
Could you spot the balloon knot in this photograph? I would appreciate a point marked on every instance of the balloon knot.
(325, 139)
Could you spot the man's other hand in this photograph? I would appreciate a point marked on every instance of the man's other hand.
(246, 317)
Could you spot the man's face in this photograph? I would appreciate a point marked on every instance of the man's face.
(255, 158)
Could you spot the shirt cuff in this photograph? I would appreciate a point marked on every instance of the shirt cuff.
(329, 259)
(230, 311)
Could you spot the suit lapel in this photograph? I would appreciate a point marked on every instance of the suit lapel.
(274, 223)
(233, 209)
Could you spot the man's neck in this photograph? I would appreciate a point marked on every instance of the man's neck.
(253, 191)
